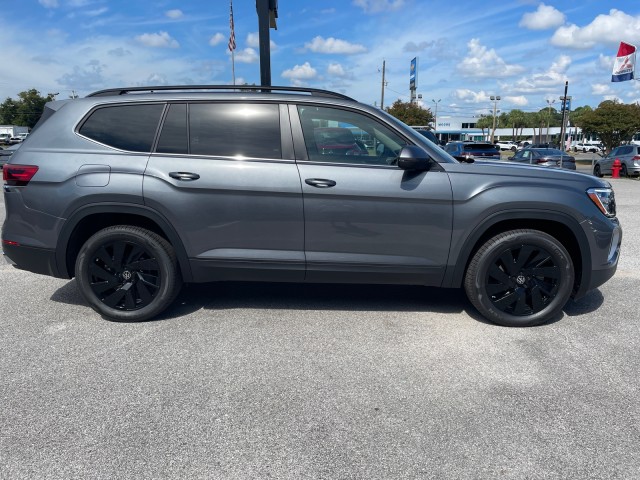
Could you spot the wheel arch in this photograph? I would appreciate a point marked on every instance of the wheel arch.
(560, 226)
(88, 220)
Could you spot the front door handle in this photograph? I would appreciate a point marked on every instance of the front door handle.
(320, 182)
(184, 176)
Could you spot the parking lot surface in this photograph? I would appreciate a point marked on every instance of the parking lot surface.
(320, 381)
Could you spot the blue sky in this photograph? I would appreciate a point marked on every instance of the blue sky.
(467, 50)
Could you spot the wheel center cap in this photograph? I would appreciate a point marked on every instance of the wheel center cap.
(127, 275)
(520, 279)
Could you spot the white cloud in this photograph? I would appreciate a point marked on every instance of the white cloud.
(605, 62)
(48, 3)
(484, 63)
(548, 81)
(217, 39)
(248, 55)
(95, 13)
(157, 40)
(300, 72)
(519, 100)
(334, 45)
(610, 29)
(469, 96)
(253, 40)
(376, 6)
(337, 70)
(543, 18)
(173, 13)
(601, 89)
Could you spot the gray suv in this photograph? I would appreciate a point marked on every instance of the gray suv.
(135, 191)
(629, 156)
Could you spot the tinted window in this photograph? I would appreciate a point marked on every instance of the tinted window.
(480, 146)
(229, 130)
(343, 136)
(173, 138)
(127, 127)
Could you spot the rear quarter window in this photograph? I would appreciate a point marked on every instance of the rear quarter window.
(126, 127)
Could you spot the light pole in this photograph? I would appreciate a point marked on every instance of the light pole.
(435, 117)
(550, 102)
(495, 100)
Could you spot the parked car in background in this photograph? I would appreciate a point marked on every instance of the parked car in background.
(463, 151)
(545, 157)
(429, 134)
(629, 156)
(507, 145)
(6, 153)
(588, 147)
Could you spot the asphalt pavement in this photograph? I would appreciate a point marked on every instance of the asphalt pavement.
(242, 381)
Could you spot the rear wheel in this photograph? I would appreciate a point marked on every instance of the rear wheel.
(128, 273)
(520, 278)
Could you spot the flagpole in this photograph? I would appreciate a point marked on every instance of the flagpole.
(232, 42)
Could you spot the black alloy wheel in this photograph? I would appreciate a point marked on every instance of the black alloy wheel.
(597, 172)
(520, 278)
(127, 273)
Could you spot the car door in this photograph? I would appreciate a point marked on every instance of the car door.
(607, 162)
(366, 220)
(224, 175)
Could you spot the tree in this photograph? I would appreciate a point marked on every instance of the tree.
(25, 111)
(517, 120)
(8, 111)
(483, 122)
(613, 122)
(410, 113)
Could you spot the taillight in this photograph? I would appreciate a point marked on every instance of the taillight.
(636, 159)
(18, 175)
(541, 160)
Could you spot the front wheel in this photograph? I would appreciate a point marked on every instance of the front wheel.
(623, 171)
(520, 278)
(597, 172)
(127, 274)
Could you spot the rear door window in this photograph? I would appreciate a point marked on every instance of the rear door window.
(235, 130)
(126, 127)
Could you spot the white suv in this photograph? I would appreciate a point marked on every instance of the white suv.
(506, 145)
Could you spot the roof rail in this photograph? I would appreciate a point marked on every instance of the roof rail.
(230, 88)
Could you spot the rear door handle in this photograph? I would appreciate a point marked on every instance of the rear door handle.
(320, 182)
(184, 176)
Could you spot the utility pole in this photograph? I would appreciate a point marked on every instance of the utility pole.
(382, 94)
(267, 14)
(549, 102)
(435, 118)
(564, 115)
(495, 100)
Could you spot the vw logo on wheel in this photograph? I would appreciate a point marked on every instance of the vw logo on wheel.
(520, 279)
(127, 275)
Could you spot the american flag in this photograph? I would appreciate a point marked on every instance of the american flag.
(232, 35)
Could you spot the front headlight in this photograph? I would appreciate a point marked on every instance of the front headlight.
(604, 199)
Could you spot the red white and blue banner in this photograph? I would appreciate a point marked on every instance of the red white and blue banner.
(625, 64)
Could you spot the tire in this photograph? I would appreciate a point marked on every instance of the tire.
(597, 172)
(623, 171)
(584, 150)
(128, 274)
(520, 278)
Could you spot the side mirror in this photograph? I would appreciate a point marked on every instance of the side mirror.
(414, 158)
